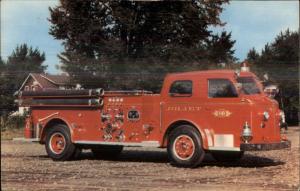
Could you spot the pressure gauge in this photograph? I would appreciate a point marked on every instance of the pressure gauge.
(133, 115)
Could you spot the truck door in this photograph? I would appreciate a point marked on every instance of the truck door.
(225, 112)
(180, 102)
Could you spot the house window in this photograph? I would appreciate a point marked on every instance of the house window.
(33, 87)
(26, 88)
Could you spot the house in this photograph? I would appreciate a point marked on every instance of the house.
(37, 82)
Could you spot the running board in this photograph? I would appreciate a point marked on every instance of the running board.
(224, 148)
(26, 140)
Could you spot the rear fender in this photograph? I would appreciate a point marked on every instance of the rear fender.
(51, 123)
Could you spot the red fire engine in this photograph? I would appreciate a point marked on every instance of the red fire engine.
(222, 112)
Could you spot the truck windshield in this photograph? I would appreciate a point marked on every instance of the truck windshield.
(249, 86)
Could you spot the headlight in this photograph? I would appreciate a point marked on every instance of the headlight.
(282, 116)
(266, 115)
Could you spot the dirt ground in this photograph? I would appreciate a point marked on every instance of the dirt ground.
(25, 166)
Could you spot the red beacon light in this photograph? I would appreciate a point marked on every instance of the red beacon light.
(245, 67)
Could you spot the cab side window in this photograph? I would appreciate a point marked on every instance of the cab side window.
(221, 88)
(181, 88)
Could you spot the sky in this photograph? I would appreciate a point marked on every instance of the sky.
(252, 23)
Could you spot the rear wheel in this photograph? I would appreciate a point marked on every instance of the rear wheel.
(227, 156)
(185, 147)
(59, 145)
(107, 151)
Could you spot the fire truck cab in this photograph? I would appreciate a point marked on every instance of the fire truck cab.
(221, 112)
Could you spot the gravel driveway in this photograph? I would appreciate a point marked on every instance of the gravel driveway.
(25, 166)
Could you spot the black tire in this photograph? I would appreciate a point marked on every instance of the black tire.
(107, 151)
(60, 133)
(227, 156)
(190, 134)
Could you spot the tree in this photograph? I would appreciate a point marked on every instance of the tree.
(2, 66)
(282, 52)
(112, 40)
(26, 59)
(220, 48)
(280, 60)
(22, 61)
(3, 87)
(19, 64)
(252, 55)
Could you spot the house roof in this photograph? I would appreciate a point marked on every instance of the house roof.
(48, 81)
(43, 82)
(57, 79)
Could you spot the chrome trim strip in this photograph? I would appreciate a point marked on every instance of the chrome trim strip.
(51, 115)
(37, 130)
(209, 137)
(141, 144)
(160, 116)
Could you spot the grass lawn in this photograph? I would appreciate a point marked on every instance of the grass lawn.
(12, 133)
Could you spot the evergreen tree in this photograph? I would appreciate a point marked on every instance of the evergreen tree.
(220, 48)
(2, 66)
(280, 60)
(252, 55)
(4, 88)
(13, 72)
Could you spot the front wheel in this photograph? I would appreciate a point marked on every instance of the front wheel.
(58, 144)
(185, 147)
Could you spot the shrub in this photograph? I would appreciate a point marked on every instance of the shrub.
(12, 122)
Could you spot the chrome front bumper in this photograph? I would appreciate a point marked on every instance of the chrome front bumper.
(265, 146)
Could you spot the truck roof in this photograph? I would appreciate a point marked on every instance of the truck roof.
(218, 73)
